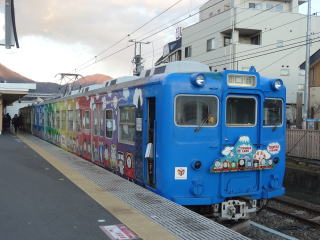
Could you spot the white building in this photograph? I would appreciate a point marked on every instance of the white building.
(236, 34)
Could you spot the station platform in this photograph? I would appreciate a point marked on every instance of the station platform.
(48, 193)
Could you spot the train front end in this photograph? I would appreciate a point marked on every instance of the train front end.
(226, 146)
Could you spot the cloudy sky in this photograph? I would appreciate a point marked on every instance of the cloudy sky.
(65, 36)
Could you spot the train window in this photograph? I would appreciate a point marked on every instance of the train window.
(241, 111)
(78, 120)
(127, 125)
(272, 112)
(96, 122)
(196, 110)
(109, 123)
(87, 119)
(70, 120)
(57, 119)
(101, 117)
(63, 119)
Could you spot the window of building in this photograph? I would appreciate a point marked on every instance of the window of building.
(196, 110)
(127, 125)
(272, 112)
(87, 119)
(255, 40)
(63, 119)
(187, 52)
(210, 44)
(160, 70)
(226, 41)
(109, 123)
(280, 43)
(70, 120)
(284, 72)
(241, 111)
(278, 7)
(269, 6)
(255, 5)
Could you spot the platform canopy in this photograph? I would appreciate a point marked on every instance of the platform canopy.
(11, 92)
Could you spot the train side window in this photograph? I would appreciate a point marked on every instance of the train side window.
(70, 120)
(101, 119)
(109, 123)
(78, 120)
(96, 122)
(87, 119)
(194, 110)
(272, 112)
(241, 111)
(127, 125)
(63, 119)
(57, 119)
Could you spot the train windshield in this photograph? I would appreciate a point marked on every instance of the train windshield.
(194, 110)
(272, 112)
(241, 111)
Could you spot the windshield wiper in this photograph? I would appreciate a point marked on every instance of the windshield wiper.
(197, 129)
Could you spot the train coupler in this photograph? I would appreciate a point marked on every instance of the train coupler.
(234, 209)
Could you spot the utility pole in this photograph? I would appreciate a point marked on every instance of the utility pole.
(137, 59)
(307, 66)
(233, 44)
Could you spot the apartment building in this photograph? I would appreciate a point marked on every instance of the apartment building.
(236, 34)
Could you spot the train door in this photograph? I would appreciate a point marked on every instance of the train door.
(240, 138)
(97, 133)
(151, 142)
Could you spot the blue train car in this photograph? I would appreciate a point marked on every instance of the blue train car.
(193, 136)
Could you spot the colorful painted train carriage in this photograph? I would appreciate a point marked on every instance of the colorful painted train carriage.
(191, 135)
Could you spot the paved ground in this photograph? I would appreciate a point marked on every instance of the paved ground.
(38, 202)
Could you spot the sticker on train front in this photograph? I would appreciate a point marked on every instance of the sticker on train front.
(119, 232)
(181, 173)
(243, 156)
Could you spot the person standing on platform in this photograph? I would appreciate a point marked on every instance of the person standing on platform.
(6, 122)
(15, 123)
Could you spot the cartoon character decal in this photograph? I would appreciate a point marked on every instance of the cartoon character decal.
(113, 157)
(244, 156)
(121, 162)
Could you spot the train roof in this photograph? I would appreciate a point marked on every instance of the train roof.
(176, 67)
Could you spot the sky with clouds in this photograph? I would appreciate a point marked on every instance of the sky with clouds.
(65, 36)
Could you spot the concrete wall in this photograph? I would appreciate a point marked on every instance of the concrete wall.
(301, 182)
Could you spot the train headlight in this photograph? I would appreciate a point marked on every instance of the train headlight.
(276, 160)
(198, 80)
(196, 165)
(276, 84)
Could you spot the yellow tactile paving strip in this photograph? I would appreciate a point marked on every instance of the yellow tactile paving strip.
(144, 227)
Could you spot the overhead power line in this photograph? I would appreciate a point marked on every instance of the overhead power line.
(125, 37)
(280, 50)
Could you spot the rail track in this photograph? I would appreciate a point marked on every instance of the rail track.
(296, 211)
